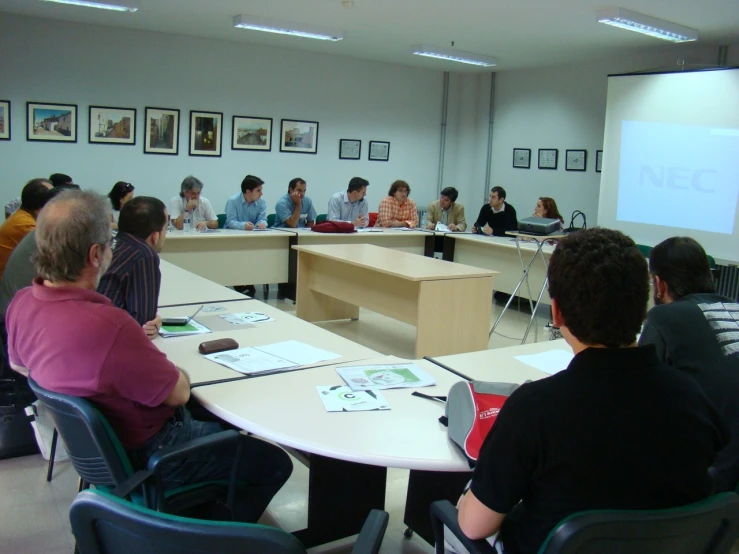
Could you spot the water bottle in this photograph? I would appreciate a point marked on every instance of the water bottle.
(186, 223)
(423, 221)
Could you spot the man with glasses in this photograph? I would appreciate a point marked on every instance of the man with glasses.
(190, 202)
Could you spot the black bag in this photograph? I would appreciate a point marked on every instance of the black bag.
(16, 433)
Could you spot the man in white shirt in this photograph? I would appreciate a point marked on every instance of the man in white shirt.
(350, 206)
(189, 201)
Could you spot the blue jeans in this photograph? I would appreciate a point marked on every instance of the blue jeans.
(263, 467)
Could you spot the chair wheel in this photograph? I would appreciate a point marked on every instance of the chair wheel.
(408, 533)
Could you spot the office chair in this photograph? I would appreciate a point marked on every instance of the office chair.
(321, 218)
(105, 524)
(221, 221)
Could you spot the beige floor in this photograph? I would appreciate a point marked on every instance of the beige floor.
(34, 513)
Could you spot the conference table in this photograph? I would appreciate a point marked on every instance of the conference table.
(348, 453)
(180, 287)
(449, 303)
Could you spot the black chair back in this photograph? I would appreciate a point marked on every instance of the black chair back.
(93, 447)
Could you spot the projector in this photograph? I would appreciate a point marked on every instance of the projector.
(539, 225)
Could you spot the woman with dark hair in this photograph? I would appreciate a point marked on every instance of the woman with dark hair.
(547, 207)
(396, 209)
(121, 193)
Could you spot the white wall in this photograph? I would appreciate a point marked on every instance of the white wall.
(563, 107)
(55, 61)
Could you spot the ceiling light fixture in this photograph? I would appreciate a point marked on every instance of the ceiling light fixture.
(287, 28)
(640, 23)
(454, 55)
(130, 5)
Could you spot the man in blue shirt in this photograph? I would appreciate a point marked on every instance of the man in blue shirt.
(350, 206)
(294, 209)
(247, 211)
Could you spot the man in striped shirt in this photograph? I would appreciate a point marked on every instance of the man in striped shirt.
(133, 279)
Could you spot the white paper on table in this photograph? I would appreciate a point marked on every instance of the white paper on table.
(551, 361)
(298, 352)
(250, 360)
(246, 318)
(441, 227)
(191, 328)
(385, 376)
(340, 398)
(369, 230)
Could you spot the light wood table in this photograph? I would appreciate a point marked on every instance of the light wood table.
(182, 288)
(449, 303)
(183, 351)
(231, 257)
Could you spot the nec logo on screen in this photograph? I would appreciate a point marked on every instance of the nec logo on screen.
(682, 178)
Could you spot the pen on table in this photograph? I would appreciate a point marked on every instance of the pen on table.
(441, 399)
(189, 319)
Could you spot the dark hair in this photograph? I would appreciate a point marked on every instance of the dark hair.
(250, 182)
(60, 180)
(451, 193)
(550, 206)
(601, 284)
(357, 183)
(500, 191)
(294, 183)
(116, 194)
(35, 195)
(398, 185)
(682, 263)
(142, 216)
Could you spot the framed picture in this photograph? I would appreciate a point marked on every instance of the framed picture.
(350, 149)
(4, 119)
(598, 160)
(51, 122)
(299, 136)
(252, 133)
(522, 158)
(379, 151)
(161, 131)
(548, 158)
(112, 125)
(206, 133)
(576, 160)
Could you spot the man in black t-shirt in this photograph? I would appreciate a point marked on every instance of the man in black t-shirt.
(496, 217)
(696, 331)
(617, 429)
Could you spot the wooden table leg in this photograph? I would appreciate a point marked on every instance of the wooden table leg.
(315, 306)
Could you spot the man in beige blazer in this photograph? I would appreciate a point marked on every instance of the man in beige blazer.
(446, 210)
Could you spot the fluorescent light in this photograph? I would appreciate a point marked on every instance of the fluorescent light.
(454, 55)
(131, 6)
(287, 28)
(640, 23)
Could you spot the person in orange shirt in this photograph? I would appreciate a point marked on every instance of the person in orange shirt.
(33, 197)
(396, 209)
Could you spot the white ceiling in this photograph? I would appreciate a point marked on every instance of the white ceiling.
(520, 33)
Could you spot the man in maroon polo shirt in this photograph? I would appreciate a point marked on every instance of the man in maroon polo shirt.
(73, 341)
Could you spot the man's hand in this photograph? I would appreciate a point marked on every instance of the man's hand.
(192, 204)
(359, 222)
(295, 197)
(431, 225)
(474, 229)
(262, 225)
(249, 226)
(397, 223)
(152, 327)
(452, 227)
(487, 229)
(201, 225)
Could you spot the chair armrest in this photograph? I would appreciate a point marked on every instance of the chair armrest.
(443, 513)
(372, 533)
(131, 484)
(171, 453)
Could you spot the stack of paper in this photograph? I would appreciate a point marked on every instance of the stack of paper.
(441, 227)
(192, 328)
(246, 317)
(551, 361)
(380, 377)
(342, 399)
(272, 358)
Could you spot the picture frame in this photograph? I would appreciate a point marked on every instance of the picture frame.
(379, 151)
(110, 125)
(350, 149)
(522, 158)
(576, 160)
(598, 161)
(4, 119)
(51, 122)
(162, 131)
(251, 133)
(548, 158)
(299, 136)
(206, 133)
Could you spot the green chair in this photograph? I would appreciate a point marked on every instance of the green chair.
(271, 220)
(710, 527)
(321, 218)
(221, 221)
(105, 524)
(645, 250)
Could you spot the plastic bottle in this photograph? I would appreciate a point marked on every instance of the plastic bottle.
(186, 222)
(423, 221)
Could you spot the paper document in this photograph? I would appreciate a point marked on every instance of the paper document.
(441, 227)
(380, 377)
(246, 317)
(369, 230)
(272, 357)
(299, 352)
(551, 361)
(192, 328)
(340, 398)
